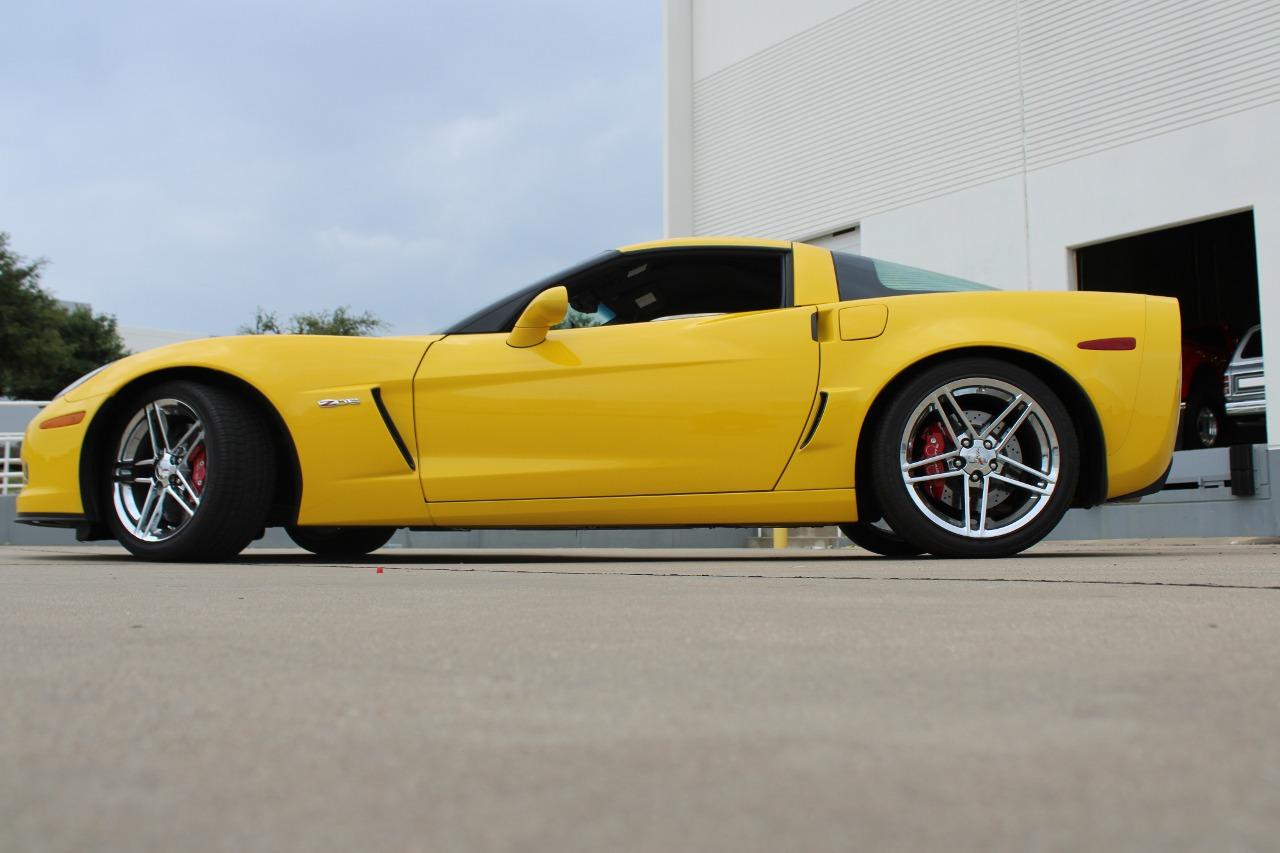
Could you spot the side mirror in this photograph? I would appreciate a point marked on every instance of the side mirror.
(547, 309)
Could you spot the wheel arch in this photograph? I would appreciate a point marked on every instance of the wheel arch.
(287, 492)
(1091, 489)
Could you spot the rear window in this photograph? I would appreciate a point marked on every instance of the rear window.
(860, 277)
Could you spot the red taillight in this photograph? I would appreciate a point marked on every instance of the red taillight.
(1109, 344)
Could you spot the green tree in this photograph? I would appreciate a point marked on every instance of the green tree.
(340, 321)
(43, 344)
(264, 323)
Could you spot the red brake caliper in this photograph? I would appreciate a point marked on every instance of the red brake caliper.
(932, 442)
(198, 472)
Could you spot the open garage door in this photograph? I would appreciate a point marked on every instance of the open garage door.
(1211, 267)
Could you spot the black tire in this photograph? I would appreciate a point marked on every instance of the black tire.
(231, 491)
(879, 540)
(931, 512)
(340, 541)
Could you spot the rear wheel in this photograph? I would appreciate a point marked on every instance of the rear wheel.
(974, 458)
(340, 541)
(190, 474)
(1203, 421)
(878, 538)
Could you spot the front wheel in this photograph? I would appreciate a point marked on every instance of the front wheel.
(975, 458)
(340, 541)
(190, 475)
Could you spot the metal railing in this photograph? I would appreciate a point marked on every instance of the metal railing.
(12, 476)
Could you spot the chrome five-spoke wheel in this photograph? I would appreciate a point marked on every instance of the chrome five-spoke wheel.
(980, 457)
(191, 473)
(975, 458)
(160, 469)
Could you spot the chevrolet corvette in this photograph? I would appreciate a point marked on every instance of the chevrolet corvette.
(689, 382)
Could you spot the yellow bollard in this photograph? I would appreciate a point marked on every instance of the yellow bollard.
(779, 537)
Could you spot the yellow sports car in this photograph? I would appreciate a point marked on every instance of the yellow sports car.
(692, 382)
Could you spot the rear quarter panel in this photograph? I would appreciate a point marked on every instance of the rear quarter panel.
(1132, 392)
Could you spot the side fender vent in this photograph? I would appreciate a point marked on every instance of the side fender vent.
(391, 428)
(817, 419)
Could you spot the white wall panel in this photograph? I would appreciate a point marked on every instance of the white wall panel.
(729, 31)
(886, 104)
(677, 136)
(976, 233)
(1102, 73)
(877, 107)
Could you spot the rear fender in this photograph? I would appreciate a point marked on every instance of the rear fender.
(858, 374)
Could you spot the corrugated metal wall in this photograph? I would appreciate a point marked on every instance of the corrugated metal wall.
(1102, 73)
(892, 103)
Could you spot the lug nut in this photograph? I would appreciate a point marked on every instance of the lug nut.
(994, 464)
(988, 444)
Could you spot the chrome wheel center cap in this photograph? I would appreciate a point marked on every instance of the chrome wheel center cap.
(977, 459)
(166, 467)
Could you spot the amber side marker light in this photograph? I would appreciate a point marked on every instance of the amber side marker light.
(1109, 343)
(62, 420)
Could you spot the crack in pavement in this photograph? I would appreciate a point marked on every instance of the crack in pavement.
(459, 562)
(498, 571)
(389, 559)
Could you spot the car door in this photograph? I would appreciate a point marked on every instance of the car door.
(680, 406)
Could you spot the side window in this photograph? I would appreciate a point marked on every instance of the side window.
(667, 284)
(501, 316)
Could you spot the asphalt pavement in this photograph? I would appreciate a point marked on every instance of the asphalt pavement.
(1094, 696)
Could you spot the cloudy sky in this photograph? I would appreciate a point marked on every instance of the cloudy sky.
(181, 163)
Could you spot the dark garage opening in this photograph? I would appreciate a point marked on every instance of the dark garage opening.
(1211, 267)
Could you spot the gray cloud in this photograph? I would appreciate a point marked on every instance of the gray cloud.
(180, 164)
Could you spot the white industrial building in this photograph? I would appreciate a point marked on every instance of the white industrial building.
(1117, 145)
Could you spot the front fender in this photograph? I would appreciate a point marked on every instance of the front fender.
(350, 467)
